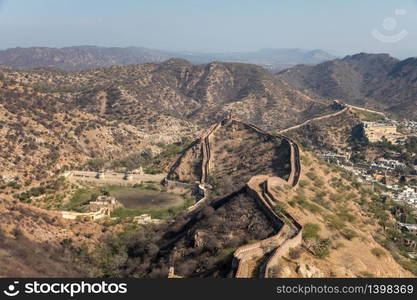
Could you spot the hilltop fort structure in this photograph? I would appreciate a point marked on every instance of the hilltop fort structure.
(378, 132)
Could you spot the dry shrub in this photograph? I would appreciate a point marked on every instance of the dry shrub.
(295, 253)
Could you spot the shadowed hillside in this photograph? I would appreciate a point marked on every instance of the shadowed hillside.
(369, 80)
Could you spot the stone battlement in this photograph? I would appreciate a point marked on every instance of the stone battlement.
(289, 233)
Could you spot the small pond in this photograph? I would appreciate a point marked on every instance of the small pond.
(146, 199)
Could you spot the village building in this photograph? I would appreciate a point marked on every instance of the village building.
(410, 243)
(146, 219)
(100, 174)
(408, 195)
(103, 201)
(410, 228)
(138, 171)
(338, 158)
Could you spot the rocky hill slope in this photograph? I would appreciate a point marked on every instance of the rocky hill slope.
(199, 93)
(39, 243)
(41, 136)
(269, 209)
(319, 223)
(222, 161)
(370, 80)
(53, 120)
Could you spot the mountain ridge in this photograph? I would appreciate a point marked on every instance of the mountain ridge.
(376, 81)
(77, 58)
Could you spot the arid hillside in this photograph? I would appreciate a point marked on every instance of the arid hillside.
(201, 242)
(198, 93)
(224, 161)
(77, 58)
(202, 245)
(39, 243)
(320, 223)
(376, 81)
(342, 229)
(263, 207)
(45, 132)
(328, 134)
(55, 120)
(267, 209)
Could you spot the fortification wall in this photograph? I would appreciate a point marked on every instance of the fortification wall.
(206, 151)
(171, 183)
(295, 175)
(245, 254)
(112, 178)
(289, 235)
(100, 214)
(269, 192)
(282, 250)
(363, 109)
(294, 156)
(297, 164)
(289, 231)
(200, 202)
(315, 119)
(292, 242)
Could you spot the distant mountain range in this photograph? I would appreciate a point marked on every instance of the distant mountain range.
(376, 81)
(90, 57)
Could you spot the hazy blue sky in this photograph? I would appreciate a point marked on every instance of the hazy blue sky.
(211, 25)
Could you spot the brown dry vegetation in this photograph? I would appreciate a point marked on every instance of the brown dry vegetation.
(124, 116)
(39, 243)
(340, 235)
(238, 152)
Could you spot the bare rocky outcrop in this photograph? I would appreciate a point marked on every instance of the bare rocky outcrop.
(309, 271)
